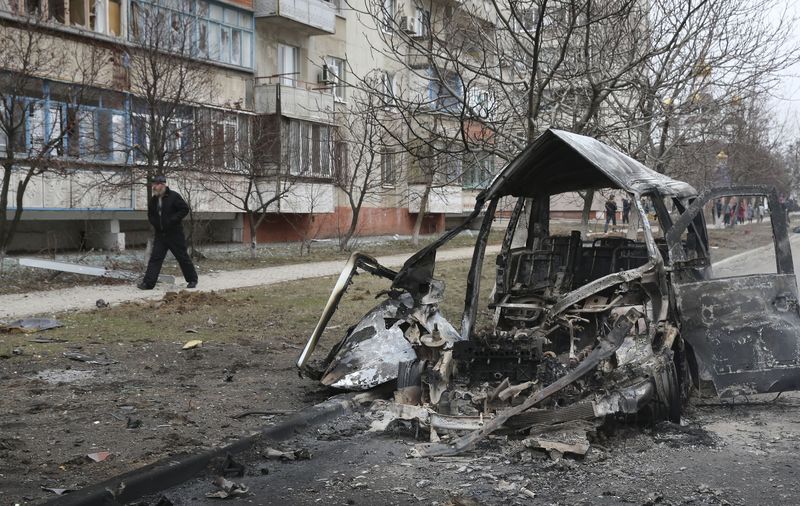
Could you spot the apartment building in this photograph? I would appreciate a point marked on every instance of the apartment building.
(275, 75)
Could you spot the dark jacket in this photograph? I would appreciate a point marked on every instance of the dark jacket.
(173, 210)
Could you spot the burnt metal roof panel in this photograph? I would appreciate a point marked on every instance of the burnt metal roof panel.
(559, 161)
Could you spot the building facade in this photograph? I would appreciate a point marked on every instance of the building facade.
(222, 97)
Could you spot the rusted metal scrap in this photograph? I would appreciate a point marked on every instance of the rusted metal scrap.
(582, 328)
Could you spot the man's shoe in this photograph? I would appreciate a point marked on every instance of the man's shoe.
(191, 284)
(142, 286)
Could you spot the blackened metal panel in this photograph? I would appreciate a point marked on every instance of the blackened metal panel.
(745, 331)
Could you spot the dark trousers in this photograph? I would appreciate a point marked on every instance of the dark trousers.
(174, 242)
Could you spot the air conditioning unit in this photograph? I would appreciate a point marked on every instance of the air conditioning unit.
(324, 77)
(407, 25)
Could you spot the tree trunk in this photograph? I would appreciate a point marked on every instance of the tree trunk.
(344, 242)
(253, 239)
(423, 204)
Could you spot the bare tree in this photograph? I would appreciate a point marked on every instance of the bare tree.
(255, 179)
(40, 120)
(166, 77)
(367, 161)
(632, 73)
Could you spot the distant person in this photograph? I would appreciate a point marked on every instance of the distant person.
(611, 214)
(726, 216)
(760, 213)
(750, 214)
(740, 213)
(165, 210)
(626, 210)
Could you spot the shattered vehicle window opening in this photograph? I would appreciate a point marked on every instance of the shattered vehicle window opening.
(581, 327)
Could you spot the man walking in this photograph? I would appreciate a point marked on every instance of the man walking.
(165, 210)
(626, 211)
(611, 213)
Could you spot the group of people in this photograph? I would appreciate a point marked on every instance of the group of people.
(733, 212)
(611, 212)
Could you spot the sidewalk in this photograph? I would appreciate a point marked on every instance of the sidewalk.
(85, 297)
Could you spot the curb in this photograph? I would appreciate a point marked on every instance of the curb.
(175, 470)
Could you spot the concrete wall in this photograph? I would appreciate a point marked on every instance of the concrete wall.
(373, 221)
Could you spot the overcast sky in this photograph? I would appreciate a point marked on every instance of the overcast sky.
(786, 100)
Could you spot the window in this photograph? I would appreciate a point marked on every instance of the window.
(480, 102)
(478, 170)
(288, 64)
(33, 7)
(307, 148)
(389, 12)
(422, 22)
(55, 10)
(247, 51)
(336, 79)
(340, 160)
(236, 47)
(388, 173)
(196, 27)
(453, 169)
(523, 19)
(445, 95)
(224, 46)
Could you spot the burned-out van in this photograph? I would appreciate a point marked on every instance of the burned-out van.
(582, 327)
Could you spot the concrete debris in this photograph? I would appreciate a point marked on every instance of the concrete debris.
(98, 456)
(194, 343)
(228, 489)
(573, 442)
(273, 454)
(29, 325)
(82, 357)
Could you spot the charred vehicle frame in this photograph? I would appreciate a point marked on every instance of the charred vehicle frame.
(584, 329)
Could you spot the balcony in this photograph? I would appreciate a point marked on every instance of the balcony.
(314, 17)
(301, 101)
(445, 199)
